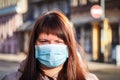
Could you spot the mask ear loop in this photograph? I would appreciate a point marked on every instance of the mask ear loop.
(79, 56)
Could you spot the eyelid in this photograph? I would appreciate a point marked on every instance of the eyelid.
(45, 41)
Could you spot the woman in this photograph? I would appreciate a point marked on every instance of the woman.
(53, 53)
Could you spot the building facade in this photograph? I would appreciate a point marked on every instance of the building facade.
(10, 19)
(98, 37)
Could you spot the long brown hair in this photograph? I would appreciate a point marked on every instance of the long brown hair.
(54, 22)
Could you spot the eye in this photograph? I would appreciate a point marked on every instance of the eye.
(42, 41)
(59, 41)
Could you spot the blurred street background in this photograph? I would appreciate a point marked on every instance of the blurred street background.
(102, 70)
(96, 23)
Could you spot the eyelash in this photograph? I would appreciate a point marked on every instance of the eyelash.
(43, 41)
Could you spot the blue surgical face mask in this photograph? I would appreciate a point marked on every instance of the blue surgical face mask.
(51, 55)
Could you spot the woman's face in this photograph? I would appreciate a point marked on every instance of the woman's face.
(44, 38)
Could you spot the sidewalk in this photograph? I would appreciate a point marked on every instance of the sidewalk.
(105, 71)
(12, 57)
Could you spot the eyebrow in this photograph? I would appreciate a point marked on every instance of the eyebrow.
(49, 40)
(41, 39)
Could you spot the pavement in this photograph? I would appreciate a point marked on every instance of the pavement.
(12, 57)
(103, 71)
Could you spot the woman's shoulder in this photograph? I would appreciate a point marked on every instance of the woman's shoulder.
(12, 76)
(91, 76)
(15, 75)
